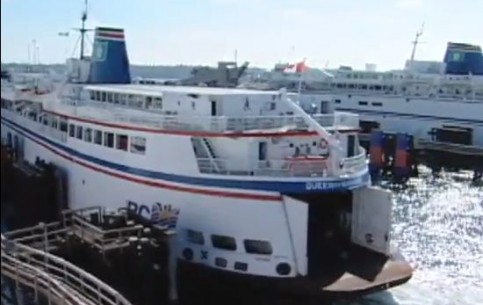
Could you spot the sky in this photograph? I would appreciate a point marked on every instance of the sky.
(328, 33)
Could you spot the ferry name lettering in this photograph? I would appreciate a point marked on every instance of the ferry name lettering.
(321, 185)
(158, 213)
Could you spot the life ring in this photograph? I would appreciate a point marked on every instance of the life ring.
(323, 144)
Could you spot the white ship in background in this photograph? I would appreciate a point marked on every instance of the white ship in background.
(432, 101)
(261, 193)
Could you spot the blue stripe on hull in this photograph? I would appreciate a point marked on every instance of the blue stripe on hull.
(254, 185)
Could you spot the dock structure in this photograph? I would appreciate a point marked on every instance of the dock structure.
(398, 155)
(47, 256)
(52, 278)
(29, 265)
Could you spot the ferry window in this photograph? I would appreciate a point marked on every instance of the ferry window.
(92, 95)
(98, 137)
(71, 130)
(54, 122)
(138, 145)
(63, 125)
(138, 102)
(130, 100)
(149, 102)
(195, 237)
(103, 96)
(98, 96)
(363, 103)
(223, 242)
(115, 98)
(158, 103)
(122, 99)
(109, 97)
(108, 139)
(79, 132)
(337, 101)
(376, 104)
(88, 135)
(258, 247)
(46, 120)
(121, 142)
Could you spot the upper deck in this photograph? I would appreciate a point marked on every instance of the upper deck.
(259, 143)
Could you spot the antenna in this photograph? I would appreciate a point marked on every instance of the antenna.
(83, 30)
(416, 41)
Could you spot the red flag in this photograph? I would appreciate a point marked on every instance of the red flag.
(301, 67)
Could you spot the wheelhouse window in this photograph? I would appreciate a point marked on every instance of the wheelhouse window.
(138, 145)
(258, 247)
(223, 242)
(195, 237)
(108, 139)
(121, 142)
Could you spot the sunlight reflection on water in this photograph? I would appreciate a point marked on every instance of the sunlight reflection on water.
(438, 226)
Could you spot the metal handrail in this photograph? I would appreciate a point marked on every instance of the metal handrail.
(233, 124)
(282, 168)
(67, 273)
(22, 273)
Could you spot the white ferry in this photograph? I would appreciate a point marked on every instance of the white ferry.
(432, 101)
(260, 193)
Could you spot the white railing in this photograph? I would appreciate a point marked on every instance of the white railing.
(355, 164)
(309, 167)
(23, 274)
(75, 283)
(219, 124)
(183, 122)
(238, 124)
(26, 122)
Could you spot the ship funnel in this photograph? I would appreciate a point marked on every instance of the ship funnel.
(463, 59)
(109, 61)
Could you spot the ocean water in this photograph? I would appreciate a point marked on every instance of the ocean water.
(438, 225)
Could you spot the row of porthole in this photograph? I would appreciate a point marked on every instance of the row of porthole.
(281, 268)
(260, 247)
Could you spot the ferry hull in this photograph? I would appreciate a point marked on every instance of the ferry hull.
(367, 273)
